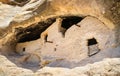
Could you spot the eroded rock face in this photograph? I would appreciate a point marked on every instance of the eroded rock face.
(108, 67)
(66, 34)
(56, 44)
(15, 2)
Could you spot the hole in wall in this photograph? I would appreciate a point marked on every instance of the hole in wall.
(92, 41)
(55, 49)
(46, 39)
(46, 36)
(92, 47)
(23, 49)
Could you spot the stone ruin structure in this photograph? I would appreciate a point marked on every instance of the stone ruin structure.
(42, 34)
(57, 41)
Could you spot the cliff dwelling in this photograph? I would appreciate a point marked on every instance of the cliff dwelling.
(59, 34)
(55, 47)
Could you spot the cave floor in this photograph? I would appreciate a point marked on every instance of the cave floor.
(107, 53)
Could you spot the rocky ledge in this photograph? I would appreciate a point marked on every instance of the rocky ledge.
(59, 38)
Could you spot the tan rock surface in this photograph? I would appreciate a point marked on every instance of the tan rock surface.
(107, 67)
(33, 34)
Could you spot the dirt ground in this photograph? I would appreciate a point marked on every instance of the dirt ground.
(107, 53)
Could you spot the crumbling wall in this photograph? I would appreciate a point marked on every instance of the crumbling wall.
(75, 46)
(28, 47)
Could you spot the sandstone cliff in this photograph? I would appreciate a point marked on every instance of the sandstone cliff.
(59, 38)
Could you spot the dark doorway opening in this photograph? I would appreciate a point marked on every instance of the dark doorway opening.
(46, 38)
(69, 21)
(24, 49)
(92, 47)
(92, 41)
